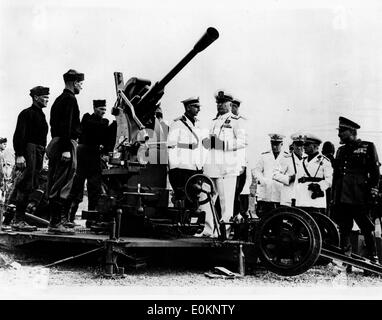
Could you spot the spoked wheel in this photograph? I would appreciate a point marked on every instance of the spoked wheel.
(199, 188)
(329, 233)
(288, 241)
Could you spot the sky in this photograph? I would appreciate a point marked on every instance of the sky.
(295, 65)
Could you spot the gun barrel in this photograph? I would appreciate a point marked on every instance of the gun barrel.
(209, 36)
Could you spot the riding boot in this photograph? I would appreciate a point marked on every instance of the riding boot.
(59, 216)
(19, 223)
(54, 213)
(9, 214)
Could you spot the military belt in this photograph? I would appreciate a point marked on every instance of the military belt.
(190, 146)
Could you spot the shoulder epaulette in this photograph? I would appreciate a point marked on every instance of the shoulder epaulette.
(265, 152)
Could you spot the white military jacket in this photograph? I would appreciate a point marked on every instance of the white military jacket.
(185, 144)
(319, 167)
(267, 188)
(289, 165)
(229, 161)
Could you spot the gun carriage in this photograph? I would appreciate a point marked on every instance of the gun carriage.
(135, 201)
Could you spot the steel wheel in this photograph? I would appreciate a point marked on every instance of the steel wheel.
(199, 188)
(329, 231)
(288, 241)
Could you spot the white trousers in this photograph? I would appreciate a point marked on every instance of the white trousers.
(225, 188)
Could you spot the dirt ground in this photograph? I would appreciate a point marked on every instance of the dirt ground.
(25, 277)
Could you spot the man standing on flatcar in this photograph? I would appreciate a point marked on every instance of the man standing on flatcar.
(355, 184)
(29, 142)
(224, 162)
(185, 152)
(61, 151)
(91, 145)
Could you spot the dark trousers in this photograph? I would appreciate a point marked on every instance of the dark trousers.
(61, 172)
(241, 202)
(29, 178)
(89, 169)
(178, 178)
(264, 207)
(344, 215)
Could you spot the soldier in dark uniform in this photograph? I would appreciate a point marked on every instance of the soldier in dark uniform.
(355, 182)
(61, 151)
(29, 142)
(91, 146)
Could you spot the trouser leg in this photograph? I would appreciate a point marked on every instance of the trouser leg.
(342, 215)
(365, 223)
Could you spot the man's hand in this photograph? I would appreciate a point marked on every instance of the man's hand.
(20, 162)
(66, 156)
(374, 192)
(206, 143)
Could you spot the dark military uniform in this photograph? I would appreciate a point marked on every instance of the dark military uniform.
(29, 141)
(356, 171)
(65, 129)
(89, 166)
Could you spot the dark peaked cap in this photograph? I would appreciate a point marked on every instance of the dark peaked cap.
(346, 123)
(99, 103)
(39, 91)
(73, 75)
(222, 96)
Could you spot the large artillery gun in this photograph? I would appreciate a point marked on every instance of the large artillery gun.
(135, 180)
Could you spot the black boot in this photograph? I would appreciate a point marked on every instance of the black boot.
(9, 215)
(19, 223)
(59, 216)
(72, 215)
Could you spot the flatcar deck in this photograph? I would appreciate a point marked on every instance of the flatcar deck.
(15, 238)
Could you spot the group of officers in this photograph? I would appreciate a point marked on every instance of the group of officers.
(300, 177)
(345, 185)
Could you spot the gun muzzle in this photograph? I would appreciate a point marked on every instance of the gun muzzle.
(209, 36)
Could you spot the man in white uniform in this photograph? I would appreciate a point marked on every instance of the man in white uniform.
(313, 178)
(268, 190)
(244, 179)
(224, 160)
(287, 170)
(185, 150)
